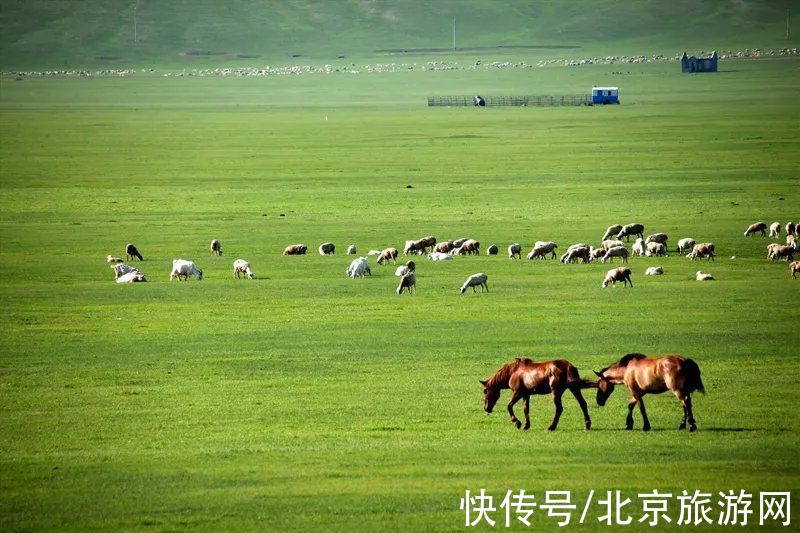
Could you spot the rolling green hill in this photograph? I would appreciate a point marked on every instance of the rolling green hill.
(94, 33)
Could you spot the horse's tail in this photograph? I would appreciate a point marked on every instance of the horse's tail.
(574, 380)
(693, 375)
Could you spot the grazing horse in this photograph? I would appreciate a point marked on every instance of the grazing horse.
(525, 377)
(647, 375)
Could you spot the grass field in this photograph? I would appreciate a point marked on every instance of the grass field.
(310, 401)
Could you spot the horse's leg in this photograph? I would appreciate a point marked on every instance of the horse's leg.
(692, 425)
(514, 399)
(683, 404)
(629, 420)
(559, 408)
(646, 421)
(587, 422)
(527, 412)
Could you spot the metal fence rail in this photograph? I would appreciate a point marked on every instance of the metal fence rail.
(495, 101)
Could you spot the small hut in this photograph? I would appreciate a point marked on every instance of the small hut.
(699, 64)
(605, 95)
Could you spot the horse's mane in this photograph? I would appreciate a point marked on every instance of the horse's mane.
(503, 375)
(626, 359)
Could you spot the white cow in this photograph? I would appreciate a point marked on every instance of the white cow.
(182, 269)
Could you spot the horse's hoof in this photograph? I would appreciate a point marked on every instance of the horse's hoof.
(692, 428)
(628, 428)
(551, 428)
(588, 426)
(646, 428)
(682, 426)
(527, 426)
(518, 424)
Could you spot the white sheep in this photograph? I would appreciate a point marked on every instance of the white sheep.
(701, 276)
(631, 229)
(514, 250)
(374, 252)
(542, 248)
(439, 256)
(474, 281)
(614, 275)
(755, 228)
(657, 237)
(775, 230)
(358, 268)
(638, 248)
(654, 271)
(611, 231)
(240, 266)
(616, 251)
(351, 250)
(401, 271)
(685, 244)
(134, 276)
(114, 260)
(216, 248)
(656, 248)
(611, 243)
(327, 248)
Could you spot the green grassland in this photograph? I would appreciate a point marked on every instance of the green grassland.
(307, 400)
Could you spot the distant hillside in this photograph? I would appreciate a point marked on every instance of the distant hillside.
(96, 33)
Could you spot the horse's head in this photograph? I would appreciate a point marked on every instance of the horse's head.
(490, 396)
(604, 388)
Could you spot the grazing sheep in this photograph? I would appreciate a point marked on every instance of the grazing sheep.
(638, 248)
(701, 276)
(654, 271)
(474, 281)
(631, 229)
(775, 230)
(596, 254)
(542, 248)
(616, 251)
(656, 248)
(781, 251)
(794, 268)
(753, 228)
(114, 260)
(374, 252)
(575, 252)
(408, 282)
(121, 269)
(614, 275)
(471, 247)
(216, 248)
(492, 249)
(389, 254)
(295, 249)
(358, 268)
(444, 247)
(703, 249)
(240, 266)
(402, 270)
(427, 242)
(791, 241)
(439, 256)
(458, 251)
(182, 269)
(414, 247)
(134, 276)
(611, 243)
(514, 250)
(327, 248)
(459, 242)
(657, 237)
(351, 250)
(611, 231)
(791, 228)
(131, 252)
(685, 244)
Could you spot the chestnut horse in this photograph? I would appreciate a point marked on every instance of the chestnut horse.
(646, 375)
(525, 377)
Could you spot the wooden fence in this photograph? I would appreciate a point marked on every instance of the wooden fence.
(493, 101)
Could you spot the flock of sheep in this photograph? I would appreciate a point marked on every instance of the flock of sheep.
(611, 247)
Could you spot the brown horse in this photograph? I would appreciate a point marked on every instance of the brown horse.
(525, 377)
(646, 375)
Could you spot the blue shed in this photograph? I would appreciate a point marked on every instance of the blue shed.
(605, 95)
